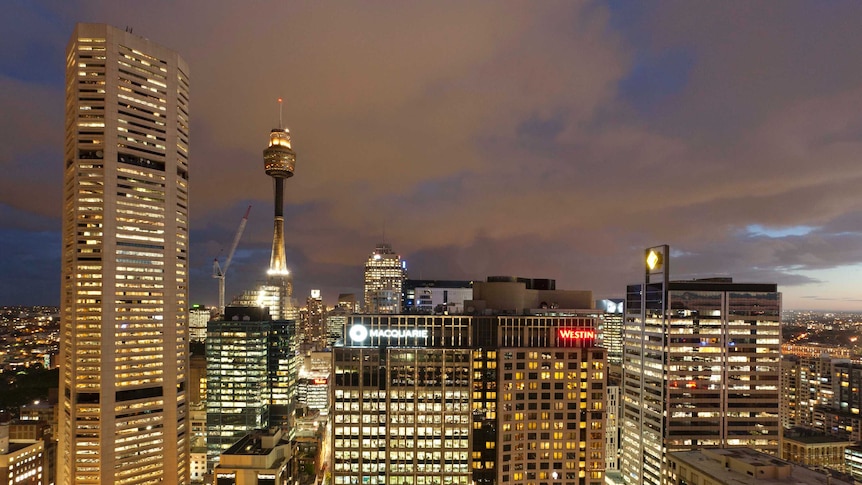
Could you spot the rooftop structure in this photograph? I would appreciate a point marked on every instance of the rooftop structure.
(740, 466)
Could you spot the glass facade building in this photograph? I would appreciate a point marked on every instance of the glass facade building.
(251, 376)
(701, 369)
(123, 411)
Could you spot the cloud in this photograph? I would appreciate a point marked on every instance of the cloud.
(554, 140)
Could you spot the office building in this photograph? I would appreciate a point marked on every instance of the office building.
(251, 376)
(124, 328)
(612, 429)
(806, 389)
(701, 368)
(261, 457)
(813, 449)
(22, 462)
(385, 273)
(312, 332)
(199, 315)
(740, 466)
(435, 296)
(853, 461)
(335, 321)
(461, 399)
(843, 416)
(611, 329)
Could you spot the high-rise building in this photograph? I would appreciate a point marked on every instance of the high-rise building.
(701, 368)
(124, 331)
(611, 329)
(806, 389)
(385, 272)
(199, 315)
(504, 397)
(251, 376)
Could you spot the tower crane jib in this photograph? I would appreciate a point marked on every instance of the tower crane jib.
(218, 271)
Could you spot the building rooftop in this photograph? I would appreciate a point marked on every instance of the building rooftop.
(744, 466)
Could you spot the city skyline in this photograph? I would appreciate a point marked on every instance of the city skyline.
(539, 140)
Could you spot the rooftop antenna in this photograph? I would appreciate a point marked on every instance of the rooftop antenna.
(280, 125)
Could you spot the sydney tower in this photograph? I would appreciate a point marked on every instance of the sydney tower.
(279, 160)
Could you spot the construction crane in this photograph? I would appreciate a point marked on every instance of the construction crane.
(218, 271)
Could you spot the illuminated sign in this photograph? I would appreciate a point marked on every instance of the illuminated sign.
(576, 334)
(315, 294)
(398, 333)
(653, 259)
(359, 333)
(320, 380)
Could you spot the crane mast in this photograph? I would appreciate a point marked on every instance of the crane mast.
(220, 272)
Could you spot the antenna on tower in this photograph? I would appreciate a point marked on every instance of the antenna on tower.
(280, 125)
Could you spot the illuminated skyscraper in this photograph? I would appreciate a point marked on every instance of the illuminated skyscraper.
(460, 400)
(124, 331)
(251, 376)
(385, 273)
(701, 368)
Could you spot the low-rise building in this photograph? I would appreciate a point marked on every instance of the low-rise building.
(21, 462)
(814, 450)
(740, 466)
(262, 457)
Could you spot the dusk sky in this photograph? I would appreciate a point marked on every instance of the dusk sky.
(536, 139)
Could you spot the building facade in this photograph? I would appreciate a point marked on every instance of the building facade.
(199, 315)
(251, 376)
(701, 368)
(385, 273)
(740, 466)
(611, 329)
(467, 399)
(124, 329)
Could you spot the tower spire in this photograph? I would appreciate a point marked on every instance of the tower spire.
(280, 124)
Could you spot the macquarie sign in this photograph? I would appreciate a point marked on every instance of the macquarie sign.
(362, 335)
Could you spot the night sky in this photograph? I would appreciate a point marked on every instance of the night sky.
(537, 139)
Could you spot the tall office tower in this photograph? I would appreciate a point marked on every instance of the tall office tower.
(701, 368)
(312, 334)
(124, 332)
(385, 273)
(251, 376)
(611, 329)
